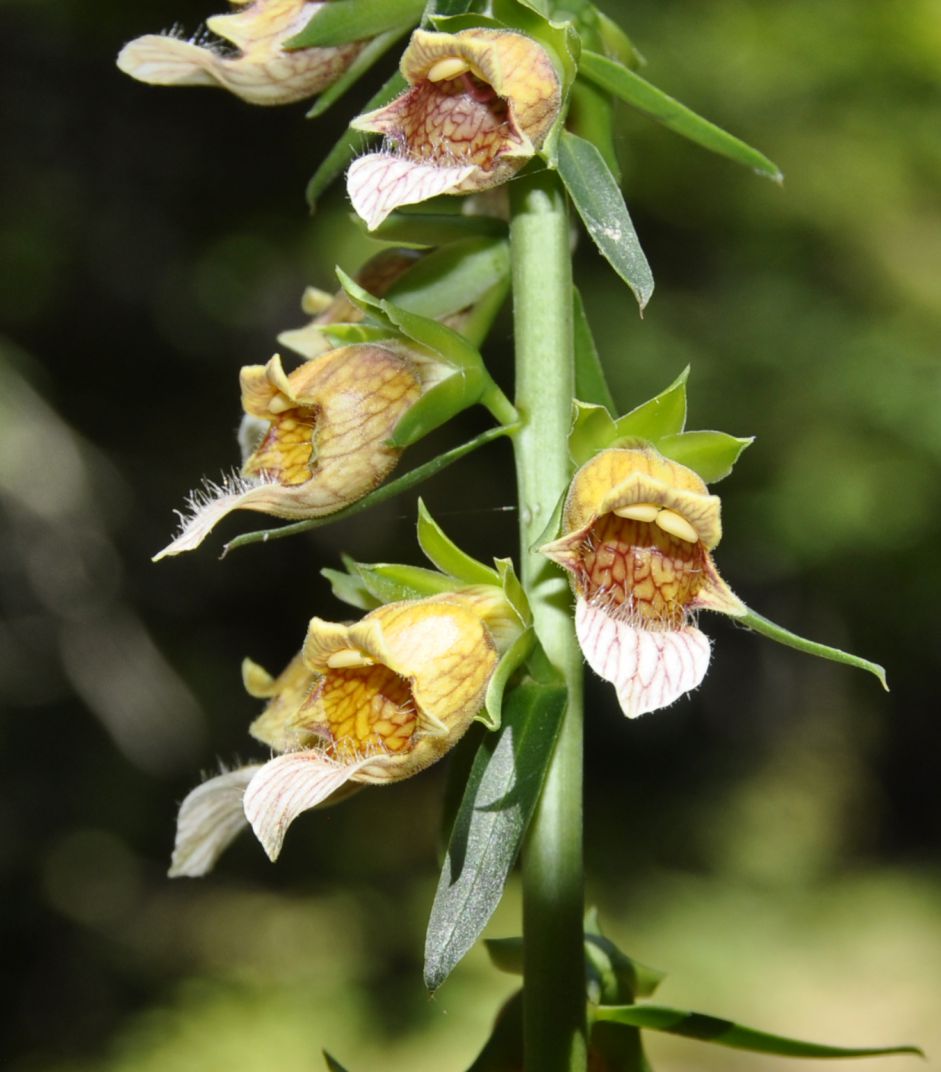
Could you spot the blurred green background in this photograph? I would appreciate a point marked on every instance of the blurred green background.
(771, 842)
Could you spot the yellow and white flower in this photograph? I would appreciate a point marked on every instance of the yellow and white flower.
(249, 59)
(480, 104)
(368, 703)
(638, 532)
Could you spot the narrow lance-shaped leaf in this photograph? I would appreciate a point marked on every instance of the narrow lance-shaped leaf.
(333, 1065)
(791, 640)
(727, 1033)
(342, 21)
(600, 203)
(590, 382)
(644, 96)
(501, 793)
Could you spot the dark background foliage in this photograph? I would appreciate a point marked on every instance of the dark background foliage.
(772, 841)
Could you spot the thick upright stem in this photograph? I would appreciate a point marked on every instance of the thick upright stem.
(553, 897)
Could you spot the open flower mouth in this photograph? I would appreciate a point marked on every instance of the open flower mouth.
(453, 120)
(648, 572)
(286, 452)
(363, 711)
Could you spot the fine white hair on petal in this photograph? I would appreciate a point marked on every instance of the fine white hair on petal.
(648, 668)
(287, 786)
(206, 507)
(381, 182)
(210, 818)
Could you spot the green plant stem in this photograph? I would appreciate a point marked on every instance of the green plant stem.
(553, 896)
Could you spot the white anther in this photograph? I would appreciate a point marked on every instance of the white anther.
(677, 525)
(639, 511)
(449, 67)
(280, 404)
(348, 658)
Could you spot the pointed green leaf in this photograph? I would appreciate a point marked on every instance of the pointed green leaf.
(639, 93)
(333, 1065)
(513, 589)
(349, 334)
(349, 587)
(711, 454)
(449, 7)
(511, 660)
(370, 55)
(613, 976)
(767, 628)
(726, 1033)
(444, 553)
(343, 21)
(600, 203)
(453, 277)
(390, 582)
(662, 415)
(388, 491)
(501, 793)
(590, 382)
(551, 531)
(349, 144)
(593, 429)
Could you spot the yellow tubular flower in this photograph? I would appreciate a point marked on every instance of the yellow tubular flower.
(638, 532)
(314, 440)
(368, 703)
(480, 105)
(249, 61)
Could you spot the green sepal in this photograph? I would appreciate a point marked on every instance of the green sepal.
(504, 785)
(421, 229)
(390, 582)
(453, 277)
(593, 429)
(600, 203)
(612, 977)
(333, 1065)
(436, 407)
(639, 93)
(551, 531)
(662, 415)
(752, 620)
(503, 1050)
(710, 454)
(513, 590)
(444, 553)
(511, 660)
(727, 1033)
(350, 334)
(343, 21)
(365, 61)
(349, 586)
(349, 144)
(590, 382)
(444, 8)
(456, 23)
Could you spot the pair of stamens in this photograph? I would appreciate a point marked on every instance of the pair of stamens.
(670, 521)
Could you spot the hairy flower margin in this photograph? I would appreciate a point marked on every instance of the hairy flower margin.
(316, 439)
(368, 703)
(480, 105)
(639, 530)
(248, 59)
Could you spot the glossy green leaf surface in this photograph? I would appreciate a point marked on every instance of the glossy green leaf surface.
(498, 802)
(711, 454)
(512, 659)
(435, 228)
(342, 21)
(445, 400)
(662, 415)
(641, 94)
(444, 553)
(453, 277)
(593, 429)
(349, 588)
(727, 1033)
(390, 582)
(590, 382)
(598, 200)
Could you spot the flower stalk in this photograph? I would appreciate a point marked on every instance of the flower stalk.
(553, 896)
